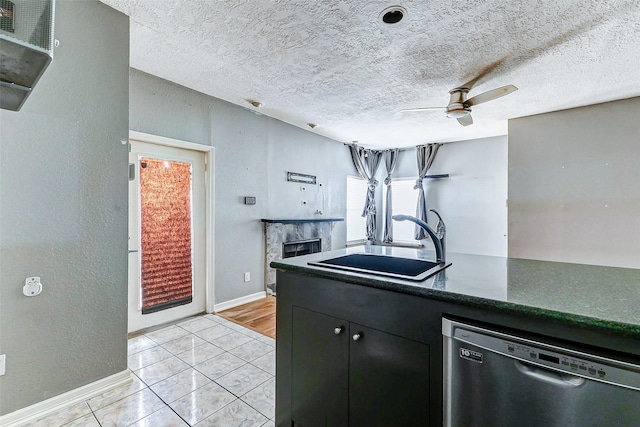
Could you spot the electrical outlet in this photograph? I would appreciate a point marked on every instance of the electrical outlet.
(247, 276)
(304, 203)
(3, 360)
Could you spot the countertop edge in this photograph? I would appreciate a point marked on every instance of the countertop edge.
(580, 320)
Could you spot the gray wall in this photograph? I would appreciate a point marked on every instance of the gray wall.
(573, 185)
(253, 154)
(63, 211)
(472, 201)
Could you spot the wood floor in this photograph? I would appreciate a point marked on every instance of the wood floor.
(259, 316)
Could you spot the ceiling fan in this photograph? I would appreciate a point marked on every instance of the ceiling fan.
(460, 107)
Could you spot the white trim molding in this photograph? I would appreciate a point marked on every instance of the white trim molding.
(169, 142)
(239, 301)
(56, 403)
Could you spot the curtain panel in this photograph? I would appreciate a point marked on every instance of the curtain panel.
(366, 163)
(426, 155)
(390, 160)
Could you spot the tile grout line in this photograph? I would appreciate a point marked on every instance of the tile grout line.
(213, 380)
(228, 324)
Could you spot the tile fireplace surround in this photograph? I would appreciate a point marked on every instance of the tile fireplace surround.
(280, 231)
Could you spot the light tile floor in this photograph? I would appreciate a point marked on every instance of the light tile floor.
(204, 372)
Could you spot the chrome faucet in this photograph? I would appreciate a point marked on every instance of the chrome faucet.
(437, 237)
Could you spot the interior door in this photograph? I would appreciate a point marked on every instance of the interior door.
(167, 226)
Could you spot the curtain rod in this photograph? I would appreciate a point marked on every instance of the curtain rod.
(400, 149)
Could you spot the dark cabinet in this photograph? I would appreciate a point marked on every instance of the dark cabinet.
(388, 379)
(319, 369)
(392, 375)
(347, 374)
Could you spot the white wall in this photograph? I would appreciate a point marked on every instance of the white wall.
(253, 154)
(63, 200)
(472, 201)
(573, 185)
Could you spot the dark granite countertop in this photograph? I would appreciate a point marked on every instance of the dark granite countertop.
(585, 295)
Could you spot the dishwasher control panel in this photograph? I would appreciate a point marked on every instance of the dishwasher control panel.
(546, 355)
(555, 360)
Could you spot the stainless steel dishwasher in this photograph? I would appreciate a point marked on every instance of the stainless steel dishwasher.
(496, 379)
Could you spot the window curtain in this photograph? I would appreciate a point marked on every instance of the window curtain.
(426, 156)
(390, 160)
(366, 163)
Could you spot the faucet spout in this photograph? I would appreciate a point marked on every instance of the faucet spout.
(438, 240)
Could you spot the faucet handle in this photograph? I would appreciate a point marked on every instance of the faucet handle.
(441, 229)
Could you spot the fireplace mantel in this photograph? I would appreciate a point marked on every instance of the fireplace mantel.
(296, 221)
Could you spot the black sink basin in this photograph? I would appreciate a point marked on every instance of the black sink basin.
(401, 268)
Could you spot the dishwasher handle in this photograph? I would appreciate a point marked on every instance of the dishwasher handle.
(549, 376)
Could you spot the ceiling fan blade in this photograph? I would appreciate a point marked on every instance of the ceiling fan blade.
(488, 69)
(491, 95)
(466, 120)
(424, 109)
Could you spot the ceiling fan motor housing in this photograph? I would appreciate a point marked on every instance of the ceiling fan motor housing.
(457, 107)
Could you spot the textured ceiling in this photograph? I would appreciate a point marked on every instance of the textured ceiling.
(333, 63)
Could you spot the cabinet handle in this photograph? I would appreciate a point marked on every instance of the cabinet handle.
(338, 330)
(357, 336)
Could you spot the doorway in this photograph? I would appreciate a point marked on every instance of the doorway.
(170, 230)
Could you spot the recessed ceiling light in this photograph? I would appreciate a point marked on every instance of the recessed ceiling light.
(256, 104)
(392, 16)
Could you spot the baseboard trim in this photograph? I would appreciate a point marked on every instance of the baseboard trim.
(239, 301)
(46, 407)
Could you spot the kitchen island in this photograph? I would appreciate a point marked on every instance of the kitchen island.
(336, 328)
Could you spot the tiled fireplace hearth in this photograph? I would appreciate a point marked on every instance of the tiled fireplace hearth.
(293, 237)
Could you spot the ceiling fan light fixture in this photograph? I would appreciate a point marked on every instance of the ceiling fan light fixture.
(457, 114)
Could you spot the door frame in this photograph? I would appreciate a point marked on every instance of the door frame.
(209, 182)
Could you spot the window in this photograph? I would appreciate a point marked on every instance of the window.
(404, 200)
(356, 224)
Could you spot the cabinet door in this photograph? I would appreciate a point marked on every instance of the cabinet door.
(319, 376)
(388, 379)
